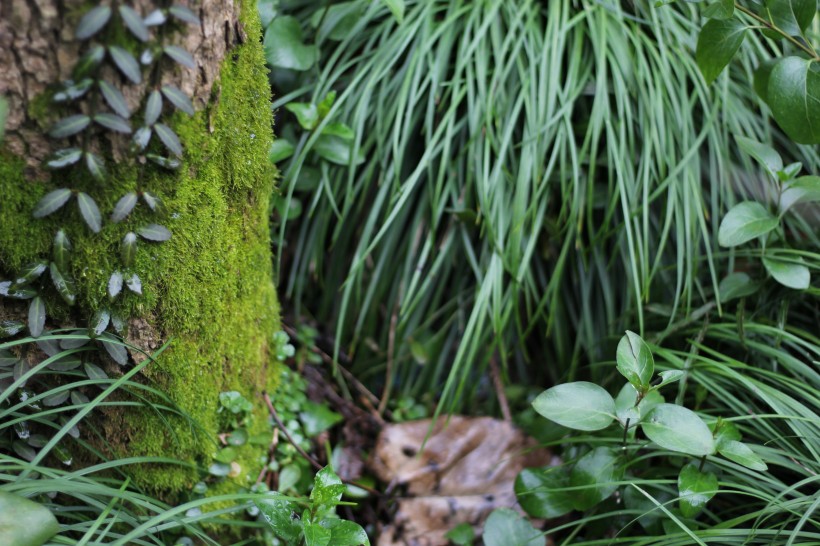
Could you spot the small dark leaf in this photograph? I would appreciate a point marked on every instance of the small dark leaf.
(92, 22)
(154, 203)
(718, 42)
(129, 249)
(10, 328)
(56, 399)
(169, 138)
(95, 166)
(153, 107)
(134, 23)
(179, 99)
(51, 202)
(78, 398)
(114, 349)
(31, 271)
(89, 61)
(164, 162)
(36, 316)
(95, 372)
(124, 207)
(89, 211)
(99, 322)
(64, 158)
(23, 450)
(118, 323)
(156, 17)
(114, 98)
(147, 56)
(114, 284)
(49, 346)
(180, 56)
(69, 126)
(183, 14)
(154, 232)
(126, 63)
(63, 285)
(60, 250)
(72, 91)
(142, 137)
(134, 284)
(113, 122)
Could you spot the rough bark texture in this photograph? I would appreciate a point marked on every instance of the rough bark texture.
(209, 289)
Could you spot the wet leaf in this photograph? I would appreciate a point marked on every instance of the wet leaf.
(695, 488)
(134, 284)
(279, 513)
(114, 284)
(10, 328)
(64, 285)
(99, 322)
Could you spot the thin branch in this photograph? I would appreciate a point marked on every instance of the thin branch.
(807, 48)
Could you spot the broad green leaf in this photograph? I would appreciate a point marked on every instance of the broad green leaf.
(327, 487)
(154, 232)
(64, 286)
(669, 376)
(340, 130)
(635, 361)
(124, 206)
(280, 149)
(790, 171)
(134, 23)
(183, 14)
(89, 211)
(60, 249)
(792, 273)
(51, 202)
(114, 284)
(346, 533)
(180, 100)
(336, 150)
(10, 328)
(580, 405)
(219, 469)
(396, 7)
(737, 285)
(678, 429)
(126, 63)
(742, 454)
(24, 522)
(89, 61)
(695, 488)
(64, 158)
(153, 107)
(538, 492)
(70, 125)
(36, 316)
(761, 78)
(337, 21)
(720, 9)
(169, 138)
(765, 155)
(134, 284)
(625, 408)
(792, 16)
(506, 527)
(238, 437)
(283, 516)
(95, 166)
(598, 472)
(128, 249)
(284, 47)
(317, 418)
(650, 515)
(114, 349)
(226, 455)
(180, 56)
(31, 271)
(99, 322)
(794, 97)
(718, 42)
(461, 535)
(744, 222)
(113, 122)
(306, 113)
(316, 535)
(92, 22)
(723, 431)
(267, 11)
(804, 189)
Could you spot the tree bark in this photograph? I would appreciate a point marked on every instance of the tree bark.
(208, 291)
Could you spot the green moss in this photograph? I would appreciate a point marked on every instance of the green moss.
(209, 289)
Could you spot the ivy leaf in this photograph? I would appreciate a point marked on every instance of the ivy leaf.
(36, 316)
(114, 98)
(124, 206)
(51, 202)
(153, 107)
(506, 527)
(89, 61)
(792, 273)
(64, 158)
(180, 56)
(156, 17)
(179, 99)
(306, 114)
(60, 250)
(635, 361)
(142, 137)
(718, 42)
(128, 249)
(70, 125)
(92, 22)
(89, 211)
(539, 492)
(95, 166)
(154, 203)
(115, 349)
(31, 271)
(64, 286)
(695, 488)
(10, 328)
(154, 232)
(284, 46)
(113, 122)
(742, 454)
(169, 138)
(722, 9)
(99, 322)
(678, 429)
(280, 149)
(794, 97)
(765, 155)
(114, 284)
(134, 23)
(164, 162)
(184, 14)
(134, 284)
(580, 405)
(126, 63)
(744, 222)
(737, 285)
(598, 473)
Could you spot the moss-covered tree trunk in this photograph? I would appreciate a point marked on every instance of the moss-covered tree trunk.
(208, 290)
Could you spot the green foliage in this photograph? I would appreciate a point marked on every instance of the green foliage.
(23, 522)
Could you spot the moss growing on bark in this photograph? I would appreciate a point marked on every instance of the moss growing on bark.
(208, 289)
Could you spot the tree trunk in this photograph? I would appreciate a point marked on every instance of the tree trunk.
(208, 290)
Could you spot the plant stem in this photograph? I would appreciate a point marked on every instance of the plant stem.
(702, 462)
(807, 48)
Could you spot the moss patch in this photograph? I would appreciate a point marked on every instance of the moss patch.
(209, 289)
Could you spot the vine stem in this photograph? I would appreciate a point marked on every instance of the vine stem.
(807, 48)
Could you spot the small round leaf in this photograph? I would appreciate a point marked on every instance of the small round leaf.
(580, 406)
